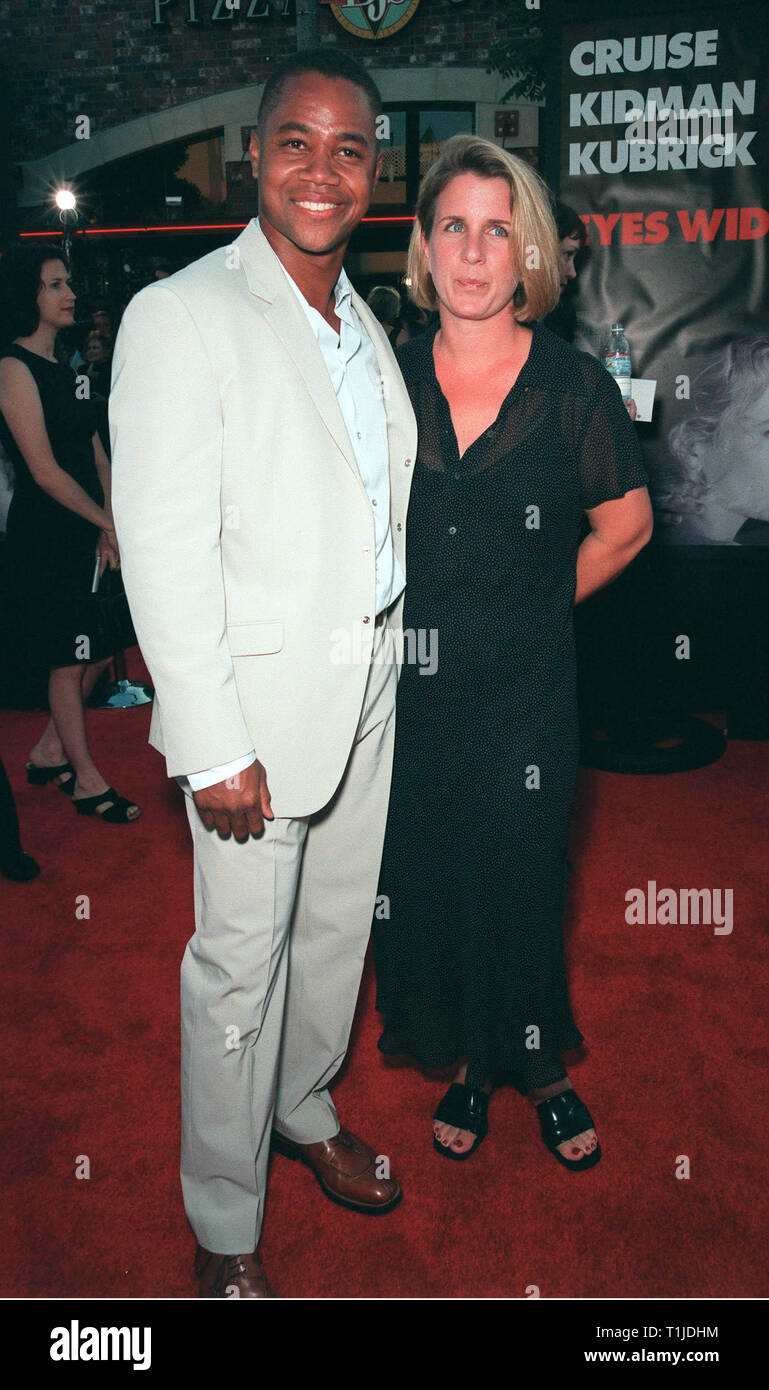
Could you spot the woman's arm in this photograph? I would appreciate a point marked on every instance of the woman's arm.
(23, 411)
(107, 546)
(104, 470)
(619, 529)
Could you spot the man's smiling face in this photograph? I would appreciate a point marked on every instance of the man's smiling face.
(316, 161)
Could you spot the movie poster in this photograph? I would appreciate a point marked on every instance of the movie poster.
(664, 153)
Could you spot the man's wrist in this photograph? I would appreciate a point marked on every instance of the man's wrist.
(208, 778)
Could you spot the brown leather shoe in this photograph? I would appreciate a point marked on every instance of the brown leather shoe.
(230, 1276)
(346, 1170)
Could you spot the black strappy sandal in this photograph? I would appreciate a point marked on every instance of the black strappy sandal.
(561, 1118)
(41, 776)
(116, 812)
(464, 1107)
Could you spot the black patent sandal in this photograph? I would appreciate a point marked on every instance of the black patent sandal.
(561, 1118)
(464, 1107)
(116, 812)
(41, 776)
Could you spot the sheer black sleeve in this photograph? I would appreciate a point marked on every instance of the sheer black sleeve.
(610, 456)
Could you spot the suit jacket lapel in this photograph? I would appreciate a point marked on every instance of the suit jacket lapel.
(266, 280)
(396, 397)
(283, 312)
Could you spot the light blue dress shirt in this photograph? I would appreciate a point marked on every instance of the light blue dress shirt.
(353, 367)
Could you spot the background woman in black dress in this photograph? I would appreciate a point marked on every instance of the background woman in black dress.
(520, 437)
(59, 518)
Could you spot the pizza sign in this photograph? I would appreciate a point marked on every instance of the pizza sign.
(373, 19)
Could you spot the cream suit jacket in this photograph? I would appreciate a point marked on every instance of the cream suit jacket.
(246, 534)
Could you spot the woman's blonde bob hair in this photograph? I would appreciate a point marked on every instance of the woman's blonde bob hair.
(534, 246)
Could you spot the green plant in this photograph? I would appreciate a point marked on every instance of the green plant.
(521, 52)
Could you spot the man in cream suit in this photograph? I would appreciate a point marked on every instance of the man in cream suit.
(262, 456)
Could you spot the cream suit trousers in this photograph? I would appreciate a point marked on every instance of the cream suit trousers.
(270, 978)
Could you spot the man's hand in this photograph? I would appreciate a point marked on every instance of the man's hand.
(632, 408)
(240, 805)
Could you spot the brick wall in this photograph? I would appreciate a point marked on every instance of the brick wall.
(103, 58)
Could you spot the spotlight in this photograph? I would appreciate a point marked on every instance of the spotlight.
(65, 200)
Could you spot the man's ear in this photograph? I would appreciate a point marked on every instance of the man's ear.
(253, 150)
(377, 169)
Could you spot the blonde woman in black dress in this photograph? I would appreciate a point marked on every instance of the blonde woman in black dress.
(520, 438)
(58, 521)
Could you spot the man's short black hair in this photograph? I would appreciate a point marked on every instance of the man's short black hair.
(569, 224)
(330, 62)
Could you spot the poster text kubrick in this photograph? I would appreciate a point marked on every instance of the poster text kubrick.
(651, 228)
(644, 156)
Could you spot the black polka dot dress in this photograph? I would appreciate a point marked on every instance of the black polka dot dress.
(470, 958)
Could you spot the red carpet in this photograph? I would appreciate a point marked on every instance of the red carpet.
(676, 1064)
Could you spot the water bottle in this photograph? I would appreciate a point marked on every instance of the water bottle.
(616, 360)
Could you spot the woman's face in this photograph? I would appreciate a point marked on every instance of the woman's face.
(55, 299)
(468, 251)
(742, 443)
(567, 252)
(95, 348)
